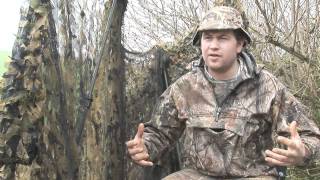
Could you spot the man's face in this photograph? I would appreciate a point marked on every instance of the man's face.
(219, 50)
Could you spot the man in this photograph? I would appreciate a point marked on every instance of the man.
(236, 120)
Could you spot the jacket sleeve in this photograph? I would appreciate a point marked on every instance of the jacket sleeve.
(286, 108)
(166, 124)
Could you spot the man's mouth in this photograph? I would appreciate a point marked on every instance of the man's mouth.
(214, 55)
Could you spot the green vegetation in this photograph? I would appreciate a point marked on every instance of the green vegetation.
(4, 59)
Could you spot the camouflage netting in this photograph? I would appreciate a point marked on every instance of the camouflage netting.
(22, 99)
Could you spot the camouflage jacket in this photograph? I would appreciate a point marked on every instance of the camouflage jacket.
(227, 140)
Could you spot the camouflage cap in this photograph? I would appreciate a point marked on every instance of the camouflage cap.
(221, 18)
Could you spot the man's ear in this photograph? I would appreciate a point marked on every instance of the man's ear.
(242, 42)
(241, 45)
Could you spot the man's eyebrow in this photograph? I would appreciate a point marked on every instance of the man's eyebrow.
(223, 35)
(208, 34)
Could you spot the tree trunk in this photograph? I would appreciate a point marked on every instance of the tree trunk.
(113, 104)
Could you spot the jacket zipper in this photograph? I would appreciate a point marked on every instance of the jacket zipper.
(218, 111)
(219, 107)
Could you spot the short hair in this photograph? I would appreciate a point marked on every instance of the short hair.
(238, 33)
(240, 36)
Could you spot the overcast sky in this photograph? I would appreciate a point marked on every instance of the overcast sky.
(9, 18)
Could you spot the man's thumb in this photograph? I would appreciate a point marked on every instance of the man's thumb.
(293, 130)
(140, 130)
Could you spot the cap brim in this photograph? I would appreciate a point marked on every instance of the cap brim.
(196, 37)
(247, 35)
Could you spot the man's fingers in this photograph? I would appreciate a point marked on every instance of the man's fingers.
(145, 163)
(277, 156)
(140, 156)
(275, 162)
(283, 152)
(293, 130)
(285, 141)
(140, 131)
(138, 138)
(136, 150)
(294, 152)
(131, 143)
(133, 151)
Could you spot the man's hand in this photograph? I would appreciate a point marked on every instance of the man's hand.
(137, 150)
(294, 154)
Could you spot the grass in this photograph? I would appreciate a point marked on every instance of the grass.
(4, 59)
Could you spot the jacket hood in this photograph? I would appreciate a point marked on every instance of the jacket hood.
(250, 62)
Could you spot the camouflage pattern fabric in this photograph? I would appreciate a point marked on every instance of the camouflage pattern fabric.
(223, 87)
(228, 140)
(191, 174)
(221, 18)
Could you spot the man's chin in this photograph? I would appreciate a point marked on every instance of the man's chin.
(213, 59)
(215, 68)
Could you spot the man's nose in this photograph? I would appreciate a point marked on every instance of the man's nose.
(214, 44)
